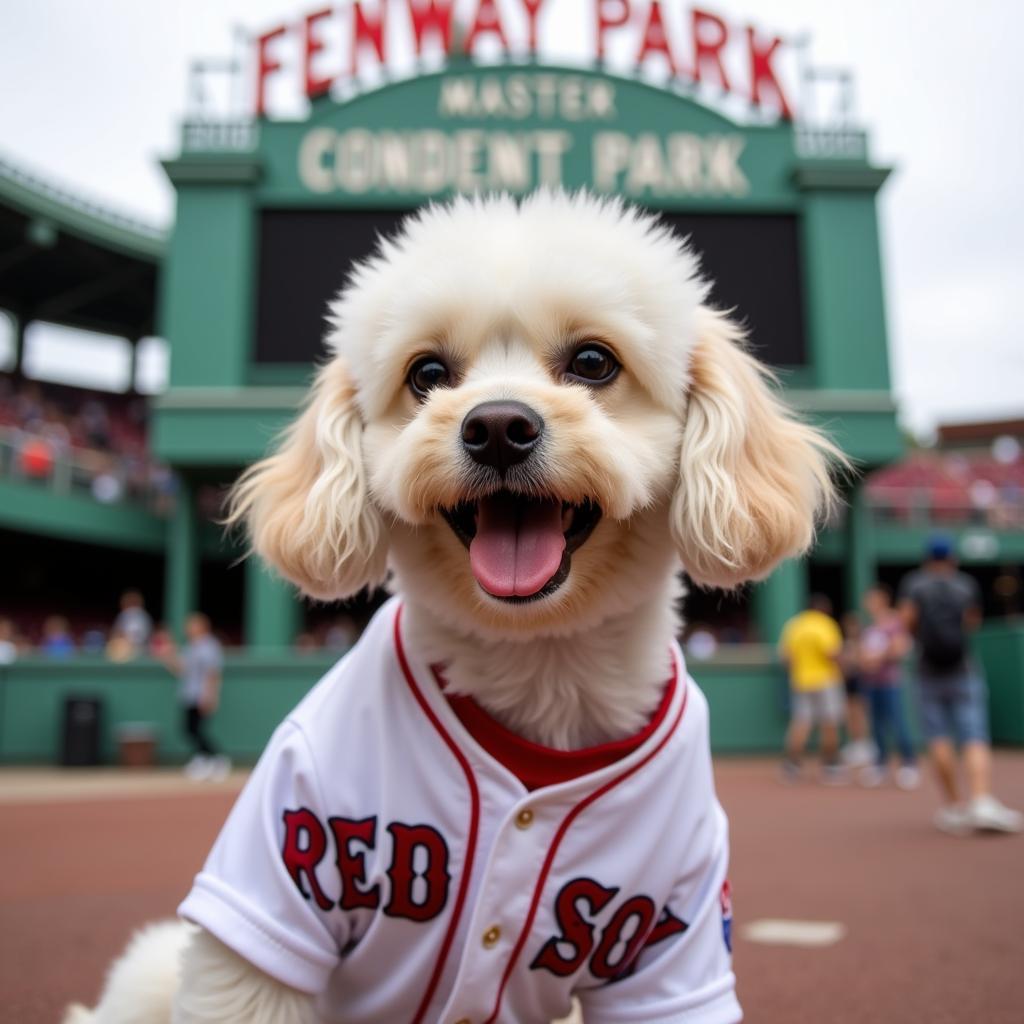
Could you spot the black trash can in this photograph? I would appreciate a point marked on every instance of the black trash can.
(81, 740)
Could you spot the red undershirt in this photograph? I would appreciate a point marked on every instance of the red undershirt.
(535, 765)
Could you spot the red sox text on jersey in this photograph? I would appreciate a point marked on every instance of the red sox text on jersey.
(418, 882)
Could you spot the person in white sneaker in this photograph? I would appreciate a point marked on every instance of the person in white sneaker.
(941, 606)
(884, 643)
(199, 667)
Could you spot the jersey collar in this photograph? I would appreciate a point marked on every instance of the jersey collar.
(532, 764)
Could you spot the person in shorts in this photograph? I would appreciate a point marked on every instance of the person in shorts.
(941, 607)
(811, 645)
(884, 644)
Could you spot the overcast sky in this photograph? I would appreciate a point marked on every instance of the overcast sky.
(91, 94)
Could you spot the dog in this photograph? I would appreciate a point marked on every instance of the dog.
(501, 799)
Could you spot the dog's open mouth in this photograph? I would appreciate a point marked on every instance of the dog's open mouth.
(520, 547)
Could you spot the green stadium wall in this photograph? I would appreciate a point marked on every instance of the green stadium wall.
(745, 687)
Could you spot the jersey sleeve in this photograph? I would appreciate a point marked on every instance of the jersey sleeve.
(685, 977)
(272, 913)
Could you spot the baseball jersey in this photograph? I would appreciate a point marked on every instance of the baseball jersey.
(380, 859)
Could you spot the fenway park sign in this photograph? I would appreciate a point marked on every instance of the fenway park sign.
(690, 44)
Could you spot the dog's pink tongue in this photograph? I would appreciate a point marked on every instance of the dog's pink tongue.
(518, 545)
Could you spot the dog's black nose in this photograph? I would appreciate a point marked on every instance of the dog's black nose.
(500, 434)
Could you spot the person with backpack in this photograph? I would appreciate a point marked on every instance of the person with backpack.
(941, 607)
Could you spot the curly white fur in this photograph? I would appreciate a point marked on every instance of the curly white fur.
(141, 985)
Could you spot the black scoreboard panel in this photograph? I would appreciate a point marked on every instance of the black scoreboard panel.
(753, 262)
(304, 259)
(305, 256)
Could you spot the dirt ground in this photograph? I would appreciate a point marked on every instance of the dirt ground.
(933, 925)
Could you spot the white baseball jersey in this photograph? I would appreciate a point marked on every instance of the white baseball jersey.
(380, 858)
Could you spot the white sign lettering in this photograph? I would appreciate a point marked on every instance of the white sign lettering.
(428, 161)
(678, 164)
(568, 97)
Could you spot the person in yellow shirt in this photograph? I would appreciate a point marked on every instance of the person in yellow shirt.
(810, 646)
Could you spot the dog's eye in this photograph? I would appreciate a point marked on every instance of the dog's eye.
(426, 374)
(592, 364)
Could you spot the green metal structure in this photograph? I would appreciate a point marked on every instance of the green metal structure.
(421, 139)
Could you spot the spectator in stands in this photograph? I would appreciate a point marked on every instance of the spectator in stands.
(57, 640)
(161, 642)
(341, 634)
(106, 486)
(305, 643)
(701, 643)
(35, 459)
(883, 646)
(133, 621)
(94, 424)
(94, 641)
(199, 667)
(941, 606)
(8, 642)
(859, 750)
(119, 647)
(810, 646)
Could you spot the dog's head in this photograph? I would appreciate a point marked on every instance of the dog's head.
(528, 412)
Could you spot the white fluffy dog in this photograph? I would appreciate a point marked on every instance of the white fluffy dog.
(531, 421)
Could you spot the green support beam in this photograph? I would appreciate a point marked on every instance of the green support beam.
(181, 578)
(272, 609)
(860, 555)
(778, 598)
(843, 286)
(206, 306)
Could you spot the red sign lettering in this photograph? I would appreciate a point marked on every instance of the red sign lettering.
(710, 34)
(367, 29)
(315, 86)
(265, 66)
(433, 16)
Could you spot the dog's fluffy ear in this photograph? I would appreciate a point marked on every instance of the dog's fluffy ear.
(753, 480)
(307, 507)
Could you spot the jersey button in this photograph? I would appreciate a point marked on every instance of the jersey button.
(524, 819)
(491, 936)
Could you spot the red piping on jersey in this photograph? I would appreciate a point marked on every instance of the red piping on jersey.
(559, 835)
(474, 823)
(536, 766)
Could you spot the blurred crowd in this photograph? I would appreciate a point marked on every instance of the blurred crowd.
(74, 438)
(983, 487)
(133, 634)
(853, 677)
